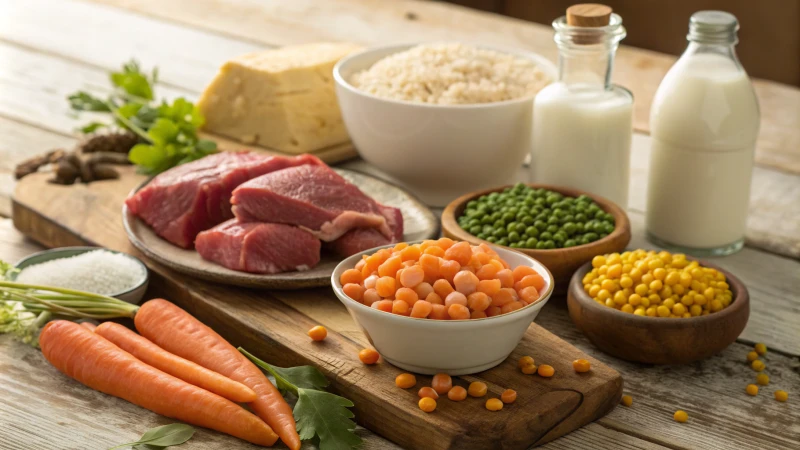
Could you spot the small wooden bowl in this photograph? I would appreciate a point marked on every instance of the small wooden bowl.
(658, 340)
(562, 262)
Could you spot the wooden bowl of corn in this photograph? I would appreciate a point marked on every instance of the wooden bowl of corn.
(657, 308)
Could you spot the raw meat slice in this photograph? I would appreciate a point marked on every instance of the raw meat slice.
(193, 197)
(313, 197)
(360, 239)
(259, 247)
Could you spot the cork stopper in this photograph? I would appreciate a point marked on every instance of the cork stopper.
(589, 15)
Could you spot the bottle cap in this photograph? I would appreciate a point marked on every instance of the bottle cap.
(589, 15)
(713, 27)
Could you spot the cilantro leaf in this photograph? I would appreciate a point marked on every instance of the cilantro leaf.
(91, 127)
(325, 415)
(133, 81)
(83, 101)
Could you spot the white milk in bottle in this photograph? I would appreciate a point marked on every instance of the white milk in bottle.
(704, 123)
(582, 124)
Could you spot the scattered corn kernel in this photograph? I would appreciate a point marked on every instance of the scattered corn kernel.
(751, 389)
(581, 365)
(662, 284)
(752, 356)
(508, 396)
(546, 371)
(761, 349)
(494, 404)
(781, 396)
(405, 380)
(680, 416)
(627, 400)
(318, 333)
(427, 404)
(368, 356)
(477, 389)
(757, 365)
(762, 379)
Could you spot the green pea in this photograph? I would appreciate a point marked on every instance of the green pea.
(598, 227)
(532, 232)
(499, 223)
(591, 236)
(531, 242)
(481, 236)
(540, 225)
(608, 228)
(491, 239)
(580, 217)
(508, 217)
(552, 228)
(550, 244)
(514, 245)
(569, 218)
(511, 226)
(569, 228)
(502, 241)
(545, 235)
(553, 220)
(570, 243)
(520, 228)
(541, 245)
(513, 236)
(475, 230)
(499, 232)
(528, 220)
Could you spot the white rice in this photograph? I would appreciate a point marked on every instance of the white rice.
(98, 271)
(451, 74)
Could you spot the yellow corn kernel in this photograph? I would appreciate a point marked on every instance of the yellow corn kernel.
(663, 311)
(680, 416)
(647, 278)
(751, 389)
(620, 298)
(636, 274)
(685, 279)
(651, 311)
(640, 311)
(594, 290)
(669, 303)
(627, 308)
(645, 301)
(603, 294)
(781, 396)
(598, 261)
(762, 379)
(757, 365)
(716, 305)
(695, 310)
(672, 278)
(761, 349)
(610, 303)
(641, 289)
(635, 299)
(626, 281)
(614, 271)
(679, 309)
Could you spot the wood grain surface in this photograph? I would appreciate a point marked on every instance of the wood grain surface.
(273, 326)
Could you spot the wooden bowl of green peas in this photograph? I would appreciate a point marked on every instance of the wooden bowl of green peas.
(562, 228)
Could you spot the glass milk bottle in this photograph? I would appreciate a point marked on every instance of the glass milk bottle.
(704, 123)
(582, 124)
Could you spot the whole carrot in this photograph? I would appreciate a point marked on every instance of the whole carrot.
(89, 326)
(101, 365)
(149, 353)
(176, 331)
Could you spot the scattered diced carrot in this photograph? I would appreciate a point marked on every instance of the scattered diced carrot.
(368, 356)
(494, 404)
(427, 404)
(405, 380)
(318, 333)
(546, 371)
(508, 396)
(477, 389)
(442, 383)
(457, 394)
(428, 391)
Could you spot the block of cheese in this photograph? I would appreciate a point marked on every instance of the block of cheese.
(282, 99)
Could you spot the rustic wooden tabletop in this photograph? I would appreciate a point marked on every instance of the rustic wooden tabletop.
(50, 48)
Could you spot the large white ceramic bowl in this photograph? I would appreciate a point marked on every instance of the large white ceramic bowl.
(456, 347)
(439, 152)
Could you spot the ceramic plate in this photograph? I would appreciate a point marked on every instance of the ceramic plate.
(418, 222)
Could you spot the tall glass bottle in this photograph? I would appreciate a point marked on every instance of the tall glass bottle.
(704, 124)
(582, 124)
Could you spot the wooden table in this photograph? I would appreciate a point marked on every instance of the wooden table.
(51, 48)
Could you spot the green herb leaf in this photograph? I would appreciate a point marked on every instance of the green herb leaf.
(325, 415)
(83, 101)
(162, 437)
(148, 156)
(133, 81)
(91, 127)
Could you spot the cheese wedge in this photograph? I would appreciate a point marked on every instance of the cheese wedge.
(282, 99)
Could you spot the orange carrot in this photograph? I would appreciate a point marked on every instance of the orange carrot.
(151, 354)
(89, 326)
(177, 332)
(101, 365)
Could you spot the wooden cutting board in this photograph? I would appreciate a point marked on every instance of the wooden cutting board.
(273, 326)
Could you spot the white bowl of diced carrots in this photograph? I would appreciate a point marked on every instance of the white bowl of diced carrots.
(443, 306)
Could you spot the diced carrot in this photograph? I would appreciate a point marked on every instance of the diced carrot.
(400, 307)
(521, 272)
(383, 305)
(409, 263)
(438, 312)
(474, 263)
(434, 299)
(425, 244)
(370, 281)
(400, 246)
(435, 251)
(360, 265)
(534, 280)
(489, 287)
(370, 297)
(496, 264)
(529, 294)
(455, 298)
(478, 315)
(478, 301)
(410, 253)
(354, 291)
(513, 306)
(465, 282)
(423, 289)
(412, 276)
(443, 288)
(351, 276)
(407, 295)
(483, 258)
(487, 272)
(458, 312)
(492, 311)
(430, 265)
(445, 243)
(460, 252)
(386, 286)
(421, 309)
(448, 269)
(390, 267)
(506, 277)
(503, 297)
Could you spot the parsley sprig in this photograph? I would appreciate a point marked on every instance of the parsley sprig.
(167, 131)
(317, 413)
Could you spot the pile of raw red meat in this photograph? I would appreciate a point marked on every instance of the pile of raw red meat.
(264, 214)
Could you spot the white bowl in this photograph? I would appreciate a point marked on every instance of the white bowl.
(456, 347)
(437, 151)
